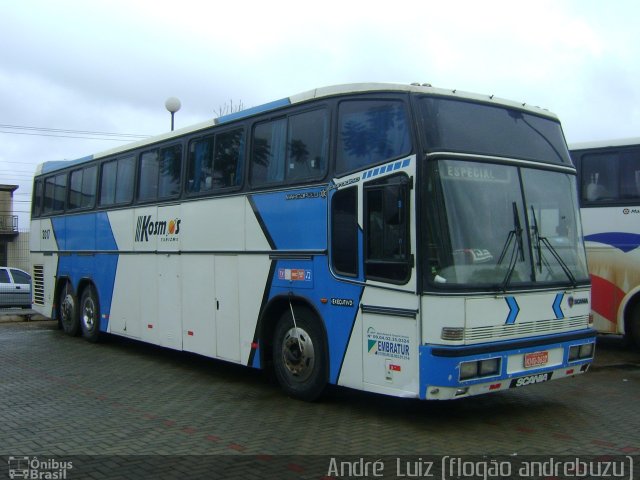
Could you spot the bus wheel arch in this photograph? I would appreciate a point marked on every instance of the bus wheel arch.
(298, 359)
(89, 311)
(67, 307)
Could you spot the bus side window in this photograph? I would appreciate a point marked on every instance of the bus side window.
(55, 193)
(344, 232)
(370, 132)
(116, 186)
(149, 172)
(49, 188)
(268, 152)
(108, 184)
(200, 166)
(307, 145)
(82, 187)
(630, 175)
(386, 230)
(169, 171)
(36, 203)
(124, 180)
(227, 162)
(599, 177)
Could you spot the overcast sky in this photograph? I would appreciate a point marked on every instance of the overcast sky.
(109, 66)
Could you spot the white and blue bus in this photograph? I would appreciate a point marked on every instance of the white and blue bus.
(398, 239)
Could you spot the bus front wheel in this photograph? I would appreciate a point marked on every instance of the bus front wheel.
(299, 355)
(90, 315)
(68, 310)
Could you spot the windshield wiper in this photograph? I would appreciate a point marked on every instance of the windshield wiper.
(539, 241)
(517, 252)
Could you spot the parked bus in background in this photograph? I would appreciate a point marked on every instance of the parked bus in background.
(609, 179)
(398, 239)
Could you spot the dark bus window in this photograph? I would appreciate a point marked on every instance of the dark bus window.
(268, 152)
(125, 180)
(387, 248)
(228, 159)
(36, 203)
(308, 143)
(108, 185)
(55, 189)
(82, 187)
(344, 231)
(170, 171)
(608, 177)
(290, 150)
(160, 172)
(215, 163)
(117, 181)
(370, 132)
(200, 166)
(149, 169)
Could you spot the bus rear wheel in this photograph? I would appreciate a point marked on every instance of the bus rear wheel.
(90, 315)
(68, 311)
(634, 325)
(299, 355)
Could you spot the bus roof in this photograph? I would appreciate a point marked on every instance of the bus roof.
(618, 142)
(354, 88)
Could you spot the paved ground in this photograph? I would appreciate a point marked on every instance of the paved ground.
(63, 399)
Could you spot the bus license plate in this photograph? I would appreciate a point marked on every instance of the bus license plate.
(536, 359)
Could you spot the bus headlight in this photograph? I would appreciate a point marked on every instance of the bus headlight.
(489, 367)
(586, 350)
(580, 352)
(479, 368)
(574, 352)
(468, 370)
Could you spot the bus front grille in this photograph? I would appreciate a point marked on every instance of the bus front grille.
(539, 327)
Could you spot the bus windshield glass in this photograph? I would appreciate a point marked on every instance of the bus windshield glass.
(461, 126)
(500, 226)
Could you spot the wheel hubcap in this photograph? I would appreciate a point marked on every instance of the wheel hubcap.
(89, 314)
(298, 353)
(66, 308)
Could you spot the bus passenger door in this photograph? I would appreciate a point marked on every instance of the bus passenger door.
(373, 243)
(390, 305)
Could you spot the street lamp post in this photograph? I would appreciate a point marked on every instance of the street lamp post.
(172, 105)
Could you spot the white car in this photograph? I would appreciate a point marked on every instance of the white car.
(15, 288)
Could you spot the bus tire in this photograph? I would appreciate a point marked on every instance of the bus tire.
(90, 314)
(300, 361)
(634, 325)
(68, 311)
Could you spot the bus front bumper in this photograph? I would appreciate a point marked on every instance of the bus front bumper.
(458, 372)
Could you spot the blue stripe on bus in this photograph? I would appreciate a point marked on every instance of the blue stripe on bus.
(54, 165)
(252, 111)
(290, 226)
(89, 232)
(621, 240)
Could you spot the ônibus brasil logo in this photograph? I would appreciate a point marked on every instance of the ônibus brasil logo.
(165, 230)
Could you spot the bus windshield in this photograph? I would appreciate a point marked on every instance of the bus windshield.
(501, 226)
(462, 126)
